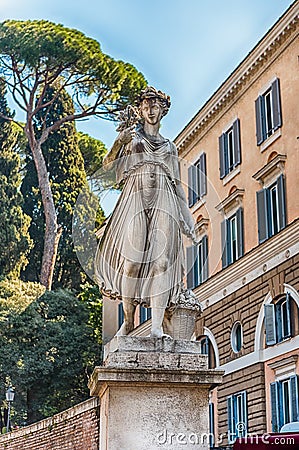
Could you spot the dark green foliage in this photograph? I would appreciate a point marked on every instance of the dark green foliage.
(48, 351)
(92, 151)
(14, 237)
(53, 50)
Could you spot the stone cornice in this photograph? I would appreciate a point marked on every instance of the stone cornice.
(276, 164)
(234, 199)
(281, 33)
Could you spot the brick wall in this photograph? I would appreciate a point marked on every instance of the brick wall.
(244, 305)
(76, 428)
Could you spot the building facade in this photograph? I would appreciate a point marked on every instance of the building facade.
(239, 162)
(239, 165)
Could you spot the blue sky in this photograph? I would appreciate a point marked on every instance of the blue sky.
(185, 47)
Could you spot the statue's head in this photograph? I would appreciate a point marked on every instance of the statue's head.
(150, 94)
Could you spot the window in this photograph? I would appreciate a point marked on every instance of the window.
(230, 149)
(268, 112)
(197, 180)
(278, 320)
(284, 402)
(197, 263)
(144, 314)
(120, 314)
(207, 349)
(271, 209)
(237, 337)
(237, 416)
(232, 238)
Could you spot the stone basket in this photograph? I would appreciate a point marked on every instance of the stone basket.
(179, 319)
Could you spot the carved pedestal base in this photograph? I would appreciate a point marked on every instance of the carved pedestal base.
(154, 394)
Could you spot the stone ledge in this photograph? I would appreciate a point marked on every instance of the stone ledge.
(148, 344)
(104, 377)
(157, 360)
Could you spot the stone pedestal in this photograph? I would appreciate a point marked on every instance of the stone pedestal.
(154, 394)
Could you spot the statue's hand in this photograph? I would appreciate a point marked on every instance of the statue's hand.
(126, 135)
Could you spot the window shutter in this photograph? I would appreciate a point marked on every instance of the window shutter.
(142, 314)
(224, 240)
(202, 175)
(278, 322)
(240, 232)
(277, 119)
(196, 265)
(262, 215)
(260, 120)
(289, 314)
(270, 325)
(237, 142)
(120, 314)
(190, 187)
(190, 267)
(205, 260)
(211, 425)
(223, 155)
(244, 406)
(230, 420)
(281, 202)
(294, 381)
(274, 407)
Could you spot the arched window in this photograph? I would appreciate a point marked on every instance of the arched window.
(278, 319)
(207, 349)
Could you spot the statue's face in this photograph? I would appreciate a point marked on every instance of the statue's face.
(151, 110)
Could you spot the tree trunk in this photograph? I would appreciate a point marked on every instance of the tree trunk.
(52, 230)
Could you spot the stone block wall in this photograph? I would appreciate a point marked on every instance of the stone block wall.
(76, 428)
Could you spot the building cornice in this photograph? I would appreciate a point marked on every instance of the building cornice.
(264, 52)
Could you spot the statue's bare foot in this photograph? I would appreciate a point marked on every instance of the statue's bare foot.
(158, 333)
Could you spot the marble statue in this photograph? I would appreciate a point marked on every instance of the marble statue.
(140, 258)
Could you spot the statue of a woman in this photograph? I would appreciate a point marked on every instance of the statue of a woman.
(140, 258)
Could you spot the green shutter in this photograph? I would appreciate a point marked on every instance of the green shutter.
(270, 324)
(224, 241)
(223, 156)
(205, 260)
(230, 420)
(274, 407)
(190, 267)
(237, 142)
(260, 120)
(190, 187)
(276, 104)
(240, 232)
(294, 381)
(245, 415)
(281, 202)
(202, 175)
(289, 314)
(262, 215)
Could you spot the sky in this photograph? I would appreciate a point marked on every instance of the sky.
(186, 48)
